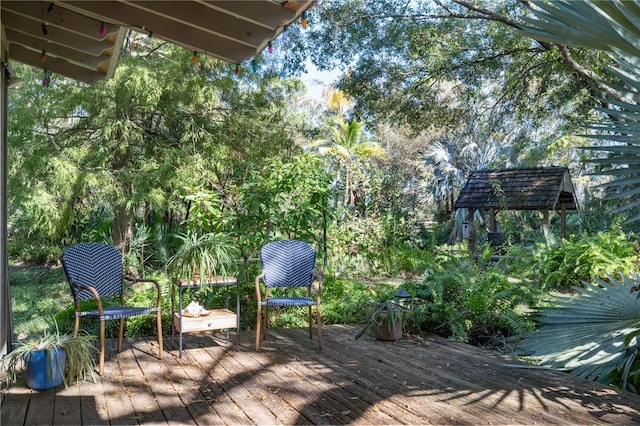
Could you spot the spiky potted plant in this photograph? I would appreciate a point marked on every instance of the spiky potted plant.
(385, 320)
(51, 359)
(202, 255)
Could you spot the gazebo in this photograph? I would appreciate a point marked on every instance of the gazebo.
(544, 189)
(82, 40)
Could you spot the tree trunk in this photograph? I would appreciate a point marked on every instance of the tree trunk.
(123, 215)
(122, 226)
(348, 193)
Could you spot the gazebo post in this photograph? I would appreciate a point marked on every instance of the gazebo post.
(492, 220)
(563, 223)
(545, 223)
(472, 231)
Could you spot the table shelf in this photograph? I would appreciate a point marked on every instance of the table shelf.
(215, 319)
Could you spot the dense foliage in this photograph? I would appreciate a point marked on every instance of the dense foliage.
(582, 259)
(594, 335)
(466, 89)
(483, 306)
(484, 303)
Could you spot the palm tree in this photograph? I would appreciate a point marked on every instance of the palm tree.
(452, 157)
(337, 101)
(346, 145)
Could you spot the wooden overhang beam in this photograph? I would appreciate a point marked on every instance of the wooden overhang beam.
(230, 30)
(72, 46)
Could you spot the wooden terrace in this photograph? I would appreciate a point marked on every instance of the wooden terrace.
(414, 381)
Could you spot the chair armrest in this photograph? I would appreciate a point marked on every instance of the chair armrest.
(90, 289)
(131, 281)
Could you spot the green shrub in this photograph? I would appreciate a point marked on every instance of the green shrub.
(37, 292)
(356, 247)
(584, 259)
(343, 302)
(407, 261)
(466, 303)
(29, 250)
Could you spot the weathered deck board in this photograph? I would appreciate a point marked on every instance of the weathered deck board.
(163, 389)
(214, 379)
(41, 408)
(417, 381)
(195, 393)
(93, 403)
(238, 382)
(283, 412)
(66, 406)
(15, 404)
(437, 375)
(120, 409)
(138, 387)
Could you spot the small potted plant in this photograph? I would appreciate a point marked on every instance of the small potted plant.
(51, 359)
(202, 255)
(385, 321)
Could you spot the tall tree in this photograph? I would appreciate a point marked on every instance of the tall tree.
(457, 68)
(125, 148)
(346, 145)
(403, 59)
(40, 180)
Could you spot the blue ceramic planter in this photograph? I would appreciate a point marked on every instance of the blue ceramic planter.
(44, 368)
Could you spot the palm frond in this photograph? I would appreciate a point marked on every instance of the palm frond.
(593, 24)
(612, 27)
(592, 334)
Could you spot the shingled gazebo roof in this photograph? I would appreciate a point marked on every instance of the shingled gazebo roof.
(538, 188)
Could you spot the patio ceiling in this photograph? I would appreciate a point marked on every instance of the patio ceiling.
(82, 39)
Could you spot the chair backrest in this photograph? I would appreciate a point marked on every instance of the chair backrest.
(96, 265)
(288, 263)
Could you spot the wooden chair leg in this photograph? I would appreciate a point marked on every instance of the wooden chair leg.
(265, 322)
(258, 321)
(120, 334)
(76, 327)
(159, 323)
(101, 363)
(310, 322)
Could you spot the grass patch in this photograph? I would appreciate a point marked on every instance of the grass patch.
(38, 293)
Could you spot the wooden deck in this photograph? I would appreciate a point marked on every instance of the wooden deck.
(430, 381)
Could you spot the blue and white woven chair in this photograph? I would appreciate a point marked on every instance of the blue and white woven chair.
(94, 270)
(287, 264)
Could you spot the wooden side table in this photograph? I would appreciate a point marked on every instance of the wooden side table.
(216, 319)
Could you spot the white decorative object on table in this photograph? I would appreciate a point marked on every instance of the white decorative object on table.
(194, 309)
